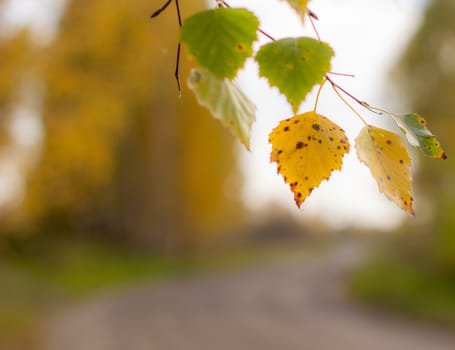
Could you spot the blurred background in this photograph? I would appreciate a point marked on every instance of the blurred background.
(130, 219)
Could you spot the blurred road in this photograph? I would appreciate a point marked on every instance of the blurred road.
(298, 304)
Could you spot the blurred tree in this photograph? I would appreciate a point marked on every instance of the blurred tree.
(122, 154)
(427, 75)
(15, 62)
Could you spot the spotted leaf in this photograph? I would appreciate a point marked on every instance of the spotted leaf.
(221, 39)
(294, 66)
(385, 153)
(226, 102)
(307, 149)
(418, 135)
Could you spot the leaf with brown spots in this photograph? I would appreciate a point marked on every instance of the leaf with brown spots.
(307, 149)
(385, 153)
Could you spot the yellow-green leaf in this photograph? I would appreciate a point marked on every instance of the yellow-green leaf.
(300, 6)
(307, 149)
(415, 128)
(385, 153)
(226, 102)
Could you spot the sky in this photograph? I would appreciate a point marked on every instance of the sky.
(367, 36)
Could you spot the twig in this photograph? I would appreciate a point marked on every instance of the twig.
(161, 9)
(312, 16)
(335, 88)
(179, 46)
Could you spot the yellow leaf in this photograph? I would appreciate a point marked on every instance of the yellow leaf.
(307, 149)
(300, 6)
(385, 153)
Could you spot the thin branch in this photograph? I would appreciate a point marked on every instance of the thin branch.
(312, 16)
(335, 88)
(179, 46)
(266, 35)
(342, 74)
(179, 16)
(362, 103)
(179, 49)
(177, 69)
(344, 91)
(161, 9)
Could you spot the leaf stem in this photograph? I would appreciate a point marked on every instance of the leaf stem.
(312, 16)
(347, 93)
(342, 74)
(317, 96)
(381, 111)
(335, 88)
(344, 91)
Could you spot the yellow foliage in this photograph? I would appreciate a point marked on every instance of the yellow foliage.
(120, 145)
(385, 153)
(307, 149)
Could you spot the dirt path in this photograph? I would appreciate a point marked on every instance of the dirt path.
(299, 304)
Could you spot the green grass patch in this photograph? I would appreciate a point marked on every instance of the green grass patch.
(78, 268)
(414, 290)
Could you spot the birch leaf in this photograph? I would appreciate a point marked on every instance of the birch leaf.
(385, 154)
(307, 149)
(221, 39)
(415, 128)
(225, 101)
(294, 66)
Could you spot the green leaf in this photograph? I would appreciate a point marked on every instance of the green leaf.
(294, 66)
(300, 6)
(385, 153)
(225, 101)
(221, 39)
(418, 135)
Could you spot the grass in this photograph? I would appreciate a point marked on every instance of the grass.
(407, 288)
(79, 268)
